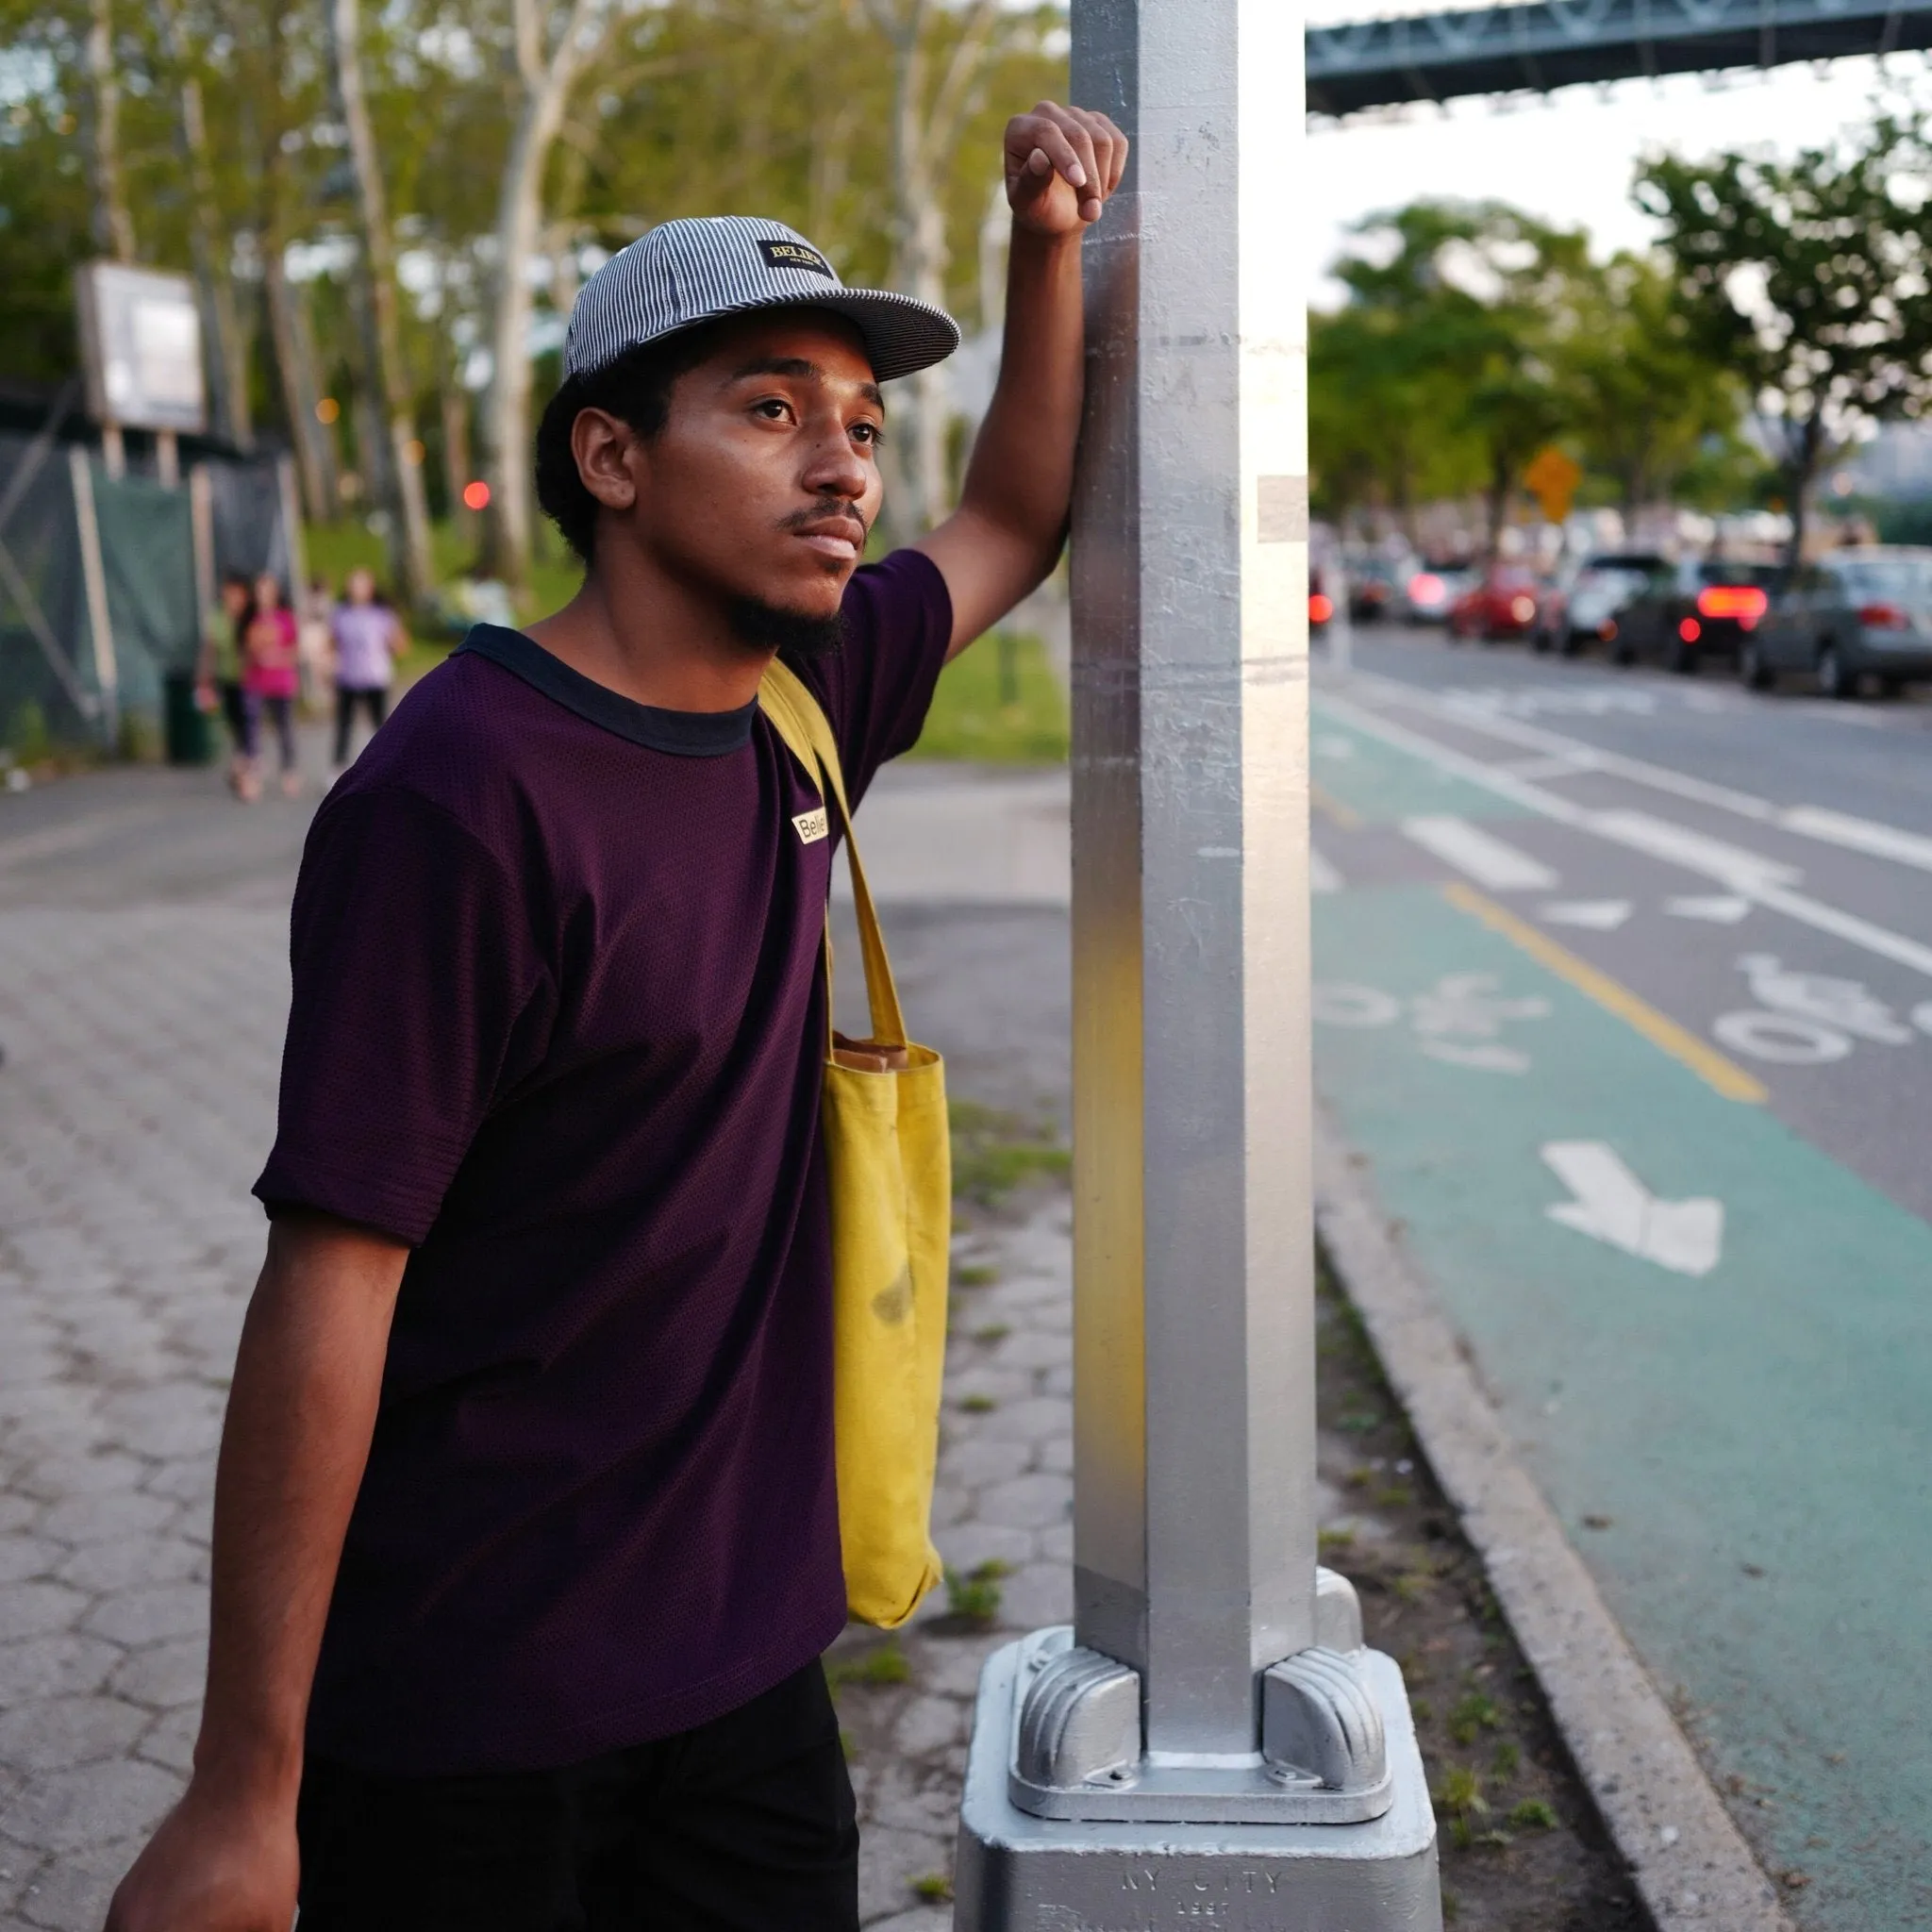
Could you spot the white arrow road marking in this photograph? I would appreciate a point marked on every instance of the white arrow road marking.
(1720, 909)
(1613, 1206)
(1599, 915)
(1484, 857)
(1322, 877)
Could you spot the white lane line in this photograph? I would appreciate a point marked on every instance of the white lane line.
(1593, 915)
(1747, 874)
(1570, 756)
(1858, 835)
(1725, 911)
(1694, 851)
(1485, 859)
(1322, 877)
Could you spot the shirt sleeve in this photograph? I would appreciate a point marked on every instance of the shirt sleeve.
(418, 996)
(877, 688)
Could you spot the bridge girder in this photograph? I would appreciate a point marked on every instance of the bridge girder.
(1561, 43)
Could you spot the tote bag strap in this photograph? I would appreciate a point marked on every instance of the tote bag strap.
(801, 723)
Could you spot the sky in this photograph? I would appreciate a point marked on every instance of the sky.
(1570, 157)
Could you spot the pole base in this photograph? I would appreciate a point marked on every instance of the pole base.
(1019, 1871)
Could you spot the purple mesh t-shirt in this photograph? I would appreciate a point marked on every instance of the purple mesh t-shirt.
(558, 1024)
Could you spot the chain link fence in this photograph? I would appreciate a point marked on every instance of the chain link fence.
(104, 582)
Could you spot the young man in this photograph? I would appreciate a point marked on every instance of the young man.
(525, 1544)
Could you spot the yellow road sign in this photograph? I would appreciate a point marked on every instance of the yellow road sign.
(1552, 478)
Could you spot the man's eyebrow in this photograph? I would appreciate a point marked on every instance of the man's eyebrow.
(807, 371)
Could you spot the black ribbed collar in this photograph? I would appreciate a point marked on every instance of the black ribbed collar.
(684, 734)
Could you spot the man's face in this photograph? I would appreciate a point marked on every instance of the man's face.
(764, 480)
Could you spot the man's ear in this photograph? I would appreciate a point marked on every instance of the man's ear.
(607, 451)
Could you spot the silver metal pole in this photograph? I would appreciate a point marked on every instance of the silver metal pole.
(94, 574)
(1211, 1724)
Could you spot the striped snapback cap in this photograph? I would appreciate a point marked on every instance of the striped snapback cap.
(693, 271)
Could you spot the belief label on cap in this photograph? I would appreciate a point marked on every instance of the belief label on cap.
(796, 255)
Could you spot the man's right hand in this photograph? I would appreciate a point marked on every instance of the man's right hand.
(217, 1864)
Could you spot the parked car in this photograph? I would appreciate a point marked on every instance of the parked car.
(1501, 605)
(1862, 613)
(1431, 592)
(1375, 581)
(1582, 609)
(1691, 611)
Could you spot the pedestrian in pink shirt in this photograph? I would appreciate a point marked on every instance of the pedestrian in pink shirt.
(368, 637)
(271, 677)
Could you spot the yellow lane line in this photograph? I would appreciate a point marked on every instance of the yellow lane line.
(1709, 1065)
(1333, 809)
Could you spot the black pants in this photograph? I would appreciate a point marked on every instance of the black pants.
(744, 1825)
(346, 701)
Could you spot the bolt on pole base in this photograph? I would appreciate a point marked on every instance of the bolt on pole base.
(1019, 1869)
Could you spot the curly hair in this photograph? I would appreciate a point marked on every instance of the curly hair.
(636, 389)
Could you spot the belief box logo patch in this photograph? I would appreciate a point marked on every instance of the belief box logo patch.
(796, 255)
(812, 826)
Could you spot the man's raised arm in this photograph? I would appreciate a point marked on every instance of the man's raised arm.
(1062, 164)
(301, 1413)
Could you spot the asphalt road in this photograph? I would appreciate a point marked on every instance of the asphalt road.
(1624, 989)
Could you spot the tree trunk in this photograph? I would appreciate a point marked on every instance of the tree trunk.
(113, 224)
(547, 79)
(408, 514)
(1806, 447)
(926, 122)
(301, 387)
(453, 399)
(225, 351)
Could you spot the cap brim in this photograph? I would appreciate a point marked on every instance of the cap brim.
(903, 335)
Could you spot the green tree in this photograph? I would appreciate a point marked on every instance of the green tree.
(1809, 277)
(1648, 402)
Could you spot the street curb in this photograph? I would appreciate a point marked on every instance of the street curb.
(1690, 1861)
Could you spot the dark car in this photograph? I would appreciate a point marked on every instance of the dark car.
(1582, 609)
(1862, 614)
(1502, 604)
(1693, 609)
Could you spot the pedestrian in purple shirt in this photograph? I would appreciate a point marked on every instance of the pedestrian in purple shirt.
(525, 1540)
(368, 637)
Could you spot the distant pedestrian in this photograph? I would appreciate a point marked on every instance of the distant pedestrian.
(368, 637)
(219, 670)
(271, 680)
(314, 611)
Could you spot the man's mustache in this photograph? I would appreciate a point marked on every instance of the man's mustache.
(818, 514)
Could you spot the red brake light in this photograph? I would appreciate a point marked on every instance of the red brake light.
(1742, 601)
(1522, 608)
(1426, 587)
(1690, 630)
(1321, 608)
(1884, 617)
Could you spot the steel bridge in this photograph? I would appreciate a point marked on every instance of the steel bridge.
(1490, 50)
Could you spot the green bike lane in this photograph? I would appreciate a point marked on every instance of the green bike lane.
(1740, 1454)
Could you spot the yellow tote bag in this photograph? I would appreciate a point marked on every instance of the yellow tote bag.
(890, 1160)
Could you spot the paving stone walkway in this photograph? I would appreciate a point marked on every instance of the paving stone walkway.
(136, 1103)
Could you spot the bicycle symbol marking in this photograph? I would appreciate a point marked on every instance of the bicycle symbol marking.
(1459, 1020)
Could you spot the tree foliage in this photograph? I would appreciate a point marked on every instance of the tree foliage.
(1474, 336)
(1812, 277)
(782, 107)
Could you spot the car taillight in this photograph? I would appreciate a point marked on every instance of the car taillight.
(1426, 587)
(1884, 617)
(1321, 608)
(1522, 608)
(1690, 630)
(1746, 602)
(1607, 629)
